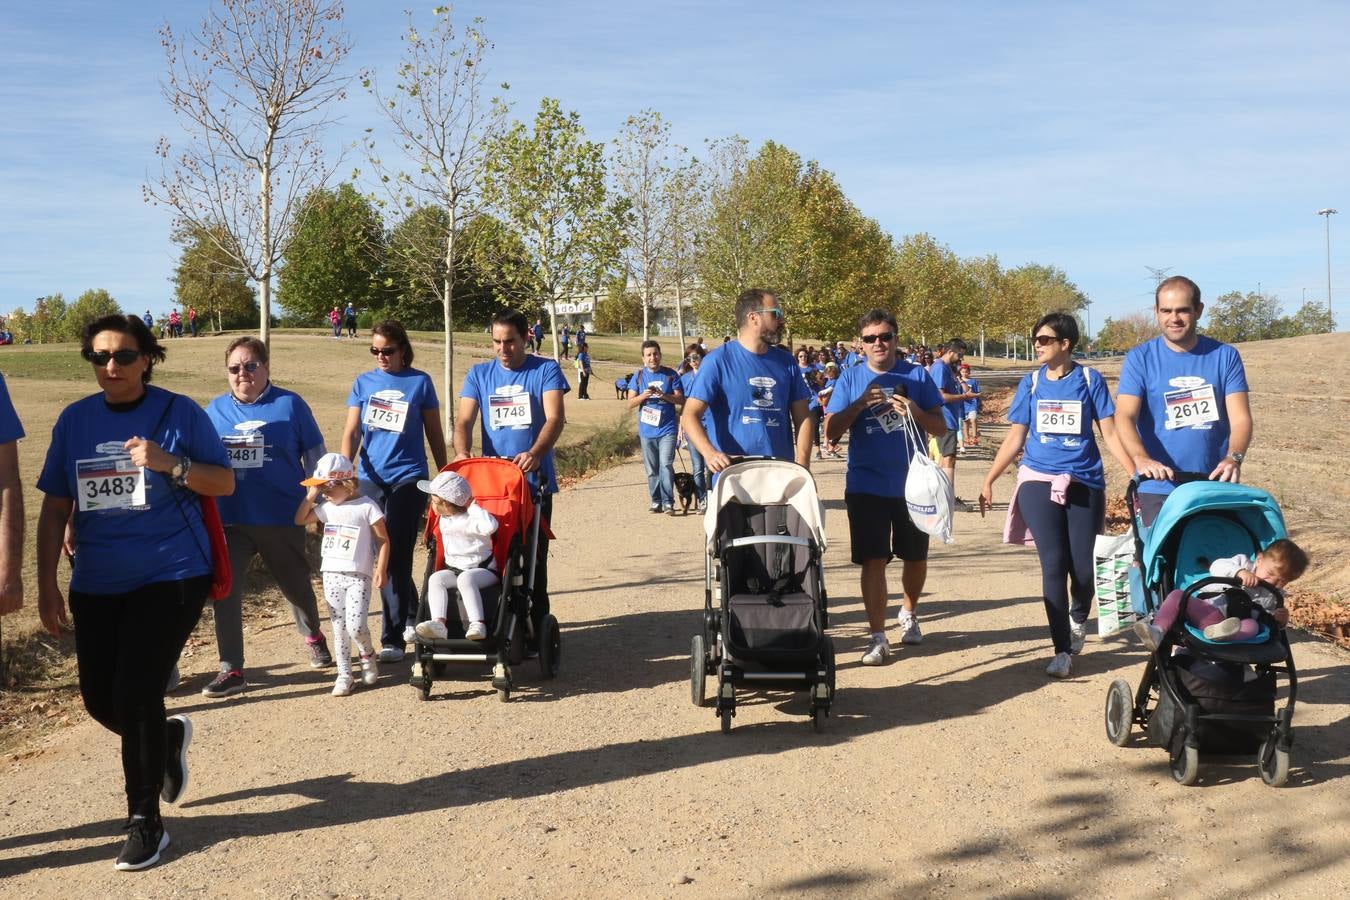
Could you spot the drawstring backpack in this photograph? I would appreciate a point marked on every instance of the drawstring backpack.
(928, 494)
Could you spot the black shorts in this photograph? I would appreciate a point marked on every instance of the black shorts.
(880, 528)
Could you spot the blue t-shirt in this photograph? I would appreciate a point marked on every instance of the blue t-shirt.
(511, 407)
(121, 546)
(749, 398)
(11, 429)
(687, 381)
(657, 418)
(391, 404)
(973, 404)
(1183, 419)
(583, 361)
(878, 460)
(945, 379)
(1055, 444)
(268, 442)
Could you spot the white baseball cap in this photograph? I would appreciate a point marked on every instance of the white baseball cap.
(450, 487)
(331, 467)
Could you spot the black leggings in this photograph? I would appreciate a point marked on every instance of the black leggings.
(1064, 538)
(126, 645)
(403, 507)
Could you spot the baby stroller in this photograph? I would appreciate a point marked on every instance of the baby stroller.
(765, 535)
(503, 490)
(1196, 693)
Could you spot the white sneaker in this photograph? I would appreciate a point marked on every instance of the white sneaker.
(909, 628)
(877, 653)
(1059, 666)
(1149, 633)
(1077, 636)
(1225, 630)
(475, 632)
(433, 631)
(370, 670)
(702, 506)
(343, 686)
(409, 634)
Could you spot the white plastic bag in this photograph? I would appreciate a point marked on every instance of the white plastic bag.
(1112, 558)
(928, 493)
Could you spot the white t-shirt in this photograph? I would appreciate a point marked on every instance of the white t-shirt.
(466, 539)
(347, 542)
(1229, 567)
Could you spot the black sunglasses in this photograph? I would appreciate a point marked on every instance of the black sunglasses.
(1046, 339)
(383, 351)
(885, 337)
(249, 367)
(101, 357)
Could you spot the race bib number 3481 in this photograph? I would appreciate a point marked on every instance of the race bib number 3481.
(109, 482)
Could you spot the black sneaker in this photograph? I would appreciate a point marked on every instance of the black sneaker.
(226, 684)
(177, 736)
(319, 657)
(146, 837)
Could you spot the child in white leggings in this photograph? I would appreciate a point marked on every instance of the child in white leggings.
(351, 526)
(466, 543)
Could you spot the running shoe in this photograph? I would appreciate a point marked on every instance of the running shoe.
(409, 634)
(909, 628)
(391, 654)
(370, 669)
(1077, 636)
(1225, 630)
(1149, 633)
(668, 510)
(655, 507)
(1059, 666)
(319, 657)
(226, 684)
(342, 687)
(146, 837)
(877, 653)
(177, 736)
(432, 631)
(703, 505)
(476, 631)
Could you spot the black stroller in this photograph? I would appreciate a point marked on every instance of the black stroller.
(765, 536)
(1197, 694)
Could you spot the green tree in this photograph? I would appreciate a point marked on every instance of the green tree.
(1312, 317)
(1127, 331)
(930, 276)
(89, 306)
(208, 278)
(46, 323)
(1236, 317)
(547, 185)
(20, 324)
(620, 310)
(334, 257)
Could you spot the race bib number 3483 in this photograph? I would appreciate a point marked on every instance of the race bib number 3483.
(109, 482)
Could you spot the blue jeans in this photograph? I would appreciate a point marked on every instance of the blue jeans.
(658, 455)
(699, 471)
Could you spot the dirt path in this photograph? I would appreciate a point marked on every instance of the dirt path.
(959, 769)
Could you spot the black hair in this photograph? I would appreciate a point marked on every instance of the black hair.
(1062, 324)
(650, 343)
(877, 317)
(393, 330)
(147, 343)
(750, 301)
(514, 318)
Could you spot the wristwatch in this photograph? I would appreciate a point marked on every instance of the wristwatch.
(180, 470)
(1237, 457)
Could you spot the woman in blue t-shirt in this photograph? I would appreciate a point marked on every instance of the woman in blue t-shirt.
(390, 409)
(693, 358)
(1061, 486)
(131, 463)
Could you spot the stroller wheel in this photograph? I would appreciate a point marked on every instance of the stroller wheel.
(1119, 712)
(698, 670)
(1185, 762)
(550, 647)
(818, 714)
(726, 721)
(1273, 761)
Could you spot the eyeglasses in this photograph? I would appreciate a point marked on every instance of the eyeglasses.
(1045, 340)
(249, 367)
(383, 351)
(123, 357)
(885, 337)
(776, 311)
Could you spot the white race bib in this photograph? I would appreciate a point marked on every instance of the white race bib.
(109, 482)
(886, 416)
(246, 450)
(1190, 407)
(1059, 416)
(339, 542)
(510, 410)
(386, 415)
(650, 415)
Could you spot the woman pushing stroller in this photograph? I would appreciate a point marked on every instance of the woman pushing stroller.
(466, 541)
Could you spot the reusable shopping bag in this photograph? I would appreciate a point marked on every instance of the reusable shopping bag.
(1112, 559)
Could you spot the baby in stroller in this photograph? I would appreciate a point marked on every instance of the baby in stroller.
(466, 540)
(1273, 568)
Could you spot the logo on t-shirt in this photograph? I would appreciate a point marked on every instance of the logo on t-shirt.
(761, 390)
(251, 425)
(388, 394)
(1186, 382)
(112, 448)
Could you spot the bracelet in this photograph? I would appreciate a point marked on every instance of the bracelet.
(185, 463)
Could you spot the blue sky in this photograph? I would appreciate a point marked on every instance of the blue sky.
(1201, 137)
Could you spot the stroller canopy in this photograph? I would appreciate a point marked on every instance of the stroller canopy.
(765, 482)
(1252, 508)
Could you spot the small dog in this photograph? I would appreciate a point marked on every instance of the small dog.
(621, 387)
(684, 487)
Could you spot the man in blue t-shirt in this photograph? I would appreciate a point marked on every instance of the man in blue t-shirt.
(657, 396)
(274, 443)
(1181, 405)
(11, 507)
(521, 399)
(754, 393)
(868, 402)
(954, 400)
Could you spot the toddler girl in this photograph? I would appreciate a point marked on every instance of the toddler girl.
(1280, 563)
(466, 542)
(351, 525)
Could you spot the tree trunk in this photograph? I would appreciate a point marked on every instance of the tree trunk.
(646, 307)
(447, 397)
(265, 283)
(553, 320)
(679, 313)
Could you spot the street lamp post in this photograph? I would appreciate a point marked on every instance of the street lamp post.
(1327, 214)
